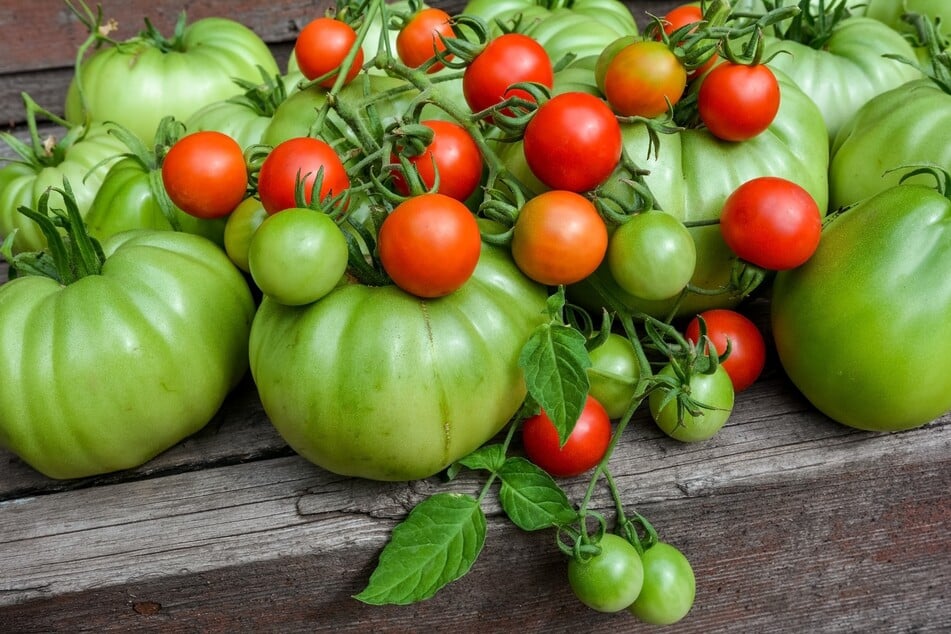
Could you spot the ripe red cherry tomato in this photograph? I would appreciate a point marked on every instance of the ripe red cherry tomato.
(681, 16)
(456, 157)
(303, 157)
(205, 175)
(573, 142)
(508, 59)
(322, 46)
(747, 347)
(644, 79)
(584, 449)
(771, 222)
(418, 40)
(429, 245)
(736, 102)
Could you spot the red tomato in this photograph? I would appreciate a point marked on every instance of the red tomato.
(507, 59)
(771, 222)
(573, 142)
(559, 238)
(300, 157)
(419, 40)
(584, 449)
(736, 102)
(205, 174)
(322, 46)
(747, 347)
(429, 245)
(644, 79)
(681, 16)
(454, 155)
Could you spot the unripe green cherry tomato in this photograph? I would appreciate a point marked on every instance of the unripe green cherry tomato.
(669, 586)
(611, 580)
(297, 256)
(240, 227)
(715, 391)
(613, 374)
(652, 255)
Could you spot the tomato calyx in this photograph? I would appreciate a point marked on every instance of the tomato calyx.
(46, 152)
(813, 24)
(929, 37)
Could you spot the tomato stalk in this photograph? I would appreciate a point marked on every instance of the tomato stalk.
(42, 152)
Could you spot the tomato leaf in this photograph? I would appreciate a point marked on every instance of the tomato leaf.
(436, 544)
(489, 458)
(531, 498)
(554, 361)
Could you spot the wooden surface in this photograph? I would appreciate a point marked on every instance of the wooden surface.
(792, 522)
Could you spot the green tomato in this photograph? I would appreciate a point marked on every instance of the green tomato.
(669, 586)
(297, 256)
(240, 227)
(862, 328)
(107, 372)
(712, 392)
(175, 77)
(610, 580)
(373, 382)
(890, 12)
(613, 374)
(904, 126)
(23, 182)
(652, 256)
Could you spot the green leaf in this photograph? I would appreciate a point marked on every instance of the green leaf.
(435, 545)
(554, 361)
(531, 498)
(489, 458)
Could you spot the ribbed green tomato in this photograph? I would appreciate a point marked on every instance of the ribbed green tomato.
(890, 11)
(376, 383)
(147, 78)
(107, 372)
(23, 182)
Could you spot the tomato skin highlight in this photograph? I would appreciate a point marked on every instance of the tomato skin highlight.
(429, 245)
(322, 45)
(737, 102)
(277, 178)
(204, 174)
(747, 346)
(584, 448)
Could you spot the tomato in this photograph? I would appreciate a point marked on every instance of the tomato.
(607, 54)
(301, 158)
(613, 375)
(167, 76)
(373, 382)
(644, 79)
(771, 222)
(178, 313)
(610, 580)
(559, 238)
(240, 227)
(862, 328)
(205, 175)
(452, 155)
(747, 346)
(736, 102)
(584, 449)
(23, 181)
(652, 255)
(712, 392)
(429, 245)
(321, 48)
(418, 40)
(682, 16)
(669, 586)
(890, 12)
(572, 142)
(508, 59)
(582, 29)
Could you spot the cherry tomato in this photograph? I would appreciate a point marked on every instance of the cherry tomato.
(559, 238)
(300, 157)
(644, 79)
(205, 175)
(240, 227)
(613, 375)
(507, 59)
(747, 346)
(429, 245)
(771, 222)
(297, 256)
(652, 255)
(681, 16)
(418, 41)
(714, 392)
(454, 155)
(737, 102)
(610, 580)
(573, 142)
(322, 46)
(669, 586)
(607, 54)
(586, 445)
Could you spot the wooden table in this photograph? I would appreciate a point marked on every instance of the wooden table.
(791, 521)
